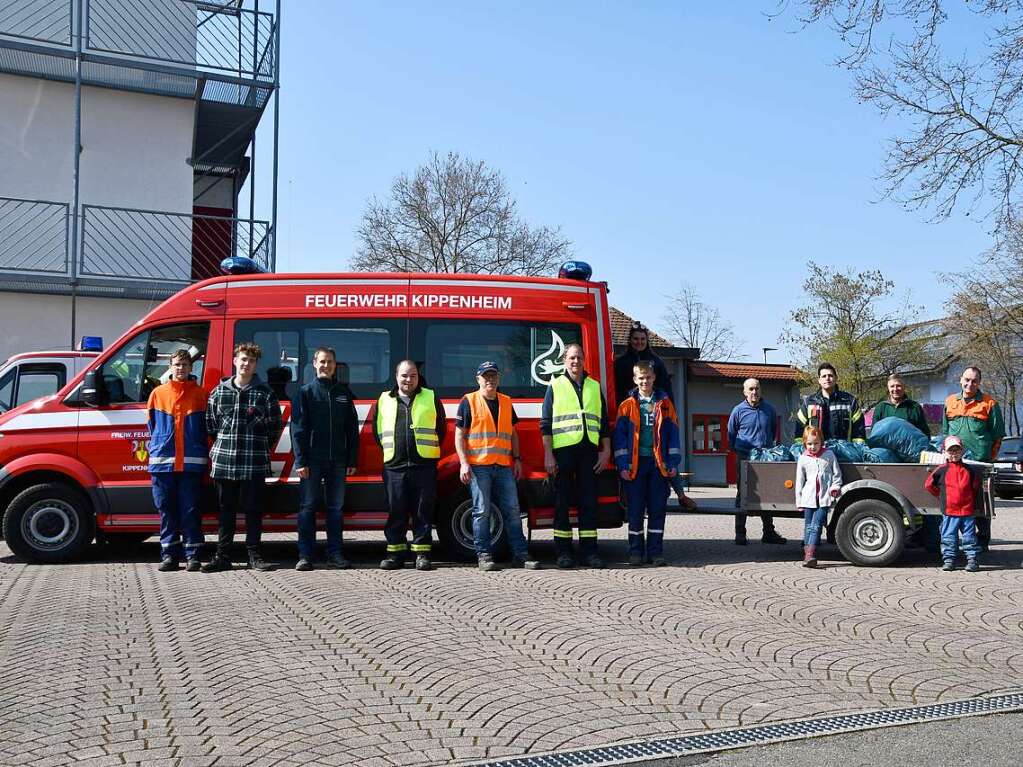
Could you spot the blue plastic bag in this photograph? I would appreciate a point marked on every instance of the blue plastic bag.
(796, 450)
(899, 436)
(775, 454)
(880, 455)
(845, 451)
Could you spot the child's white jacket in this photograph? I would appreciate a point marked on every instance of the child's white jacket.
(815, 477)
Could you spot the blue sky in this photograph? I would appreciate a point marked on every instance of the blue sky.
(703, 142)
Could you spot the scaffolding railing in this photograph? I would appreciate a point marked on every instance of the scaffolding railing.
(44, 21)
(33, 236)
(123, 243)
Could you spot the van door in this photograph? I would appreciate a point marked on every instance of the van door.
(113, 440)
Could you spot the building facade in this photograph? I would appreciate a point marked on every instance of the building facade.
(127, 159)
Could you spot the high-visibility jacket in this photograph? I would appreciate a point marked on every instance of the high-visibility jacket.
(570, 422)
(667, 443)
(490, 443)
(177, 427)
(977, 422)
(423, 425)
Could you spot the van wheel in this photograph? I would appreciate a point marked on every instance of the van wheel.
(870, 533)
(454, 528)
(49, 523)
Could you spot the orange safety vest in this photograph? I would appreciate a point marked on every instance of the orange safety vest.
(489, 443)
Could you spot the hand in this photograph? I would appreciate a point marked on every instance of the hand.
(672, 472)
(624, 473)
(350, 471)
(549, 463)
(602, 459)
(465, 473)
(835, 492)
(517, 468)
(303, 473)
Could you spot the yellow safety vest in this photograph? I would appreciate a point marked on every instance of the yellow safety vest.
(424, 424)
(569, 421)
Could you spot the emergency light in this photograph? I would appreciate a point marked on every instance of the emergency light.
(241, 265)
(575, 270)
(91, 344)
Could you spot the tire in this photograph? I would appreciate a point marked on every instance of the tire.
(49, 523)
(870, 533)
(454, 528)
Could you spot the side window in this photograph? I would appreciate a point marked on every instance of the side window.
(529, 354)
(7, 390)
(143, 363)
(367, 351)
(39, 380)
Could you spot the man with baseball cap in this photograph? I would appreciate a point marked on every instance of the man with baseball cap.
(488, 450)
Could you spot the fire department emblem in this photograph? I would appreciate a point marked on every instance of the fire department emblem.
(140, 449)
(550, 363)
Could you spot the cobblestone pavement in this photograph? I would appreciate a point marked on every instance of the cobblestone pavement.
(111, 663)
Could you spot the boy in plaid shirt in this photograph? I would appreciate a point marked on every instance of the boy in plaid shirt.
(243, 417)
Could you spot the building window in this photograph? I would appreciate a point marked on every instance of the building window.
(710, 434)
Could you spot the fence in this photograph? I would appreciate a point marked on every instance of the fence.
(33, 236)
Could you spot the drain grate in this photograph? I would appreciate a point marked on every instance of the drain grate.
(767, 733)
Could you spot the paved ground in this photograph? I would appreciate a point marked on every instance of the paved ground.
(111, 663)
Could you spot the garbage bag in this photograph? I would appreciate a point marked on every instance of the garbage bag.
(899, 436)
(775, 454)
(880, 455)
(845, 451)
(796, 450)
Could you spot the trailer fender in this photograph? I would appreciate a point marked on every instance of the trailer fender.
(877, 489)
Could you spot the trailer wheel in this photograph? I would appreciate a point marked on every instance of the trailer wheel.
(49, 523)
(870, 533)
(454, 528)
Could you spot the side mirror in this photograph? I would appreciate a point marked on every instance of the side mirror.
(93, 392)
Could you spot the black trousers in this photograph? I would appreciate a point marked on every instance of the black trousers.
(240, 496)
(575, 472)
(411, 494)
(740, 520)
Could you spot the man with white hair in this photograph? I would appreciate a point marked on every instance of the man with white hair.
(753, 424)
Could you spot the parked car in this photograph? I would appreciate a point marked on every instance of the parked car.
(1008, 478)
(31, 375)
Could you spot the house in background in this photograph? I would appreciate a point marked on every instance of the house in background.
(705, 392)
(129, 133)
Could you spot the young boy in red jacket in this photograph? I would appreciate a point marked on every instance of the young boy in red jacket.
(958, 487)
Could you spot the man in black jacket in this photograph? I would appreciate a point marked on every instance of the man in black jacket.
(325, 438)
(409, 426)
(836, 413)
(639, 349)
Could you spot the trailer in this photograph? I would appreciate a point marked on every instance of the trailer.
(880, 506)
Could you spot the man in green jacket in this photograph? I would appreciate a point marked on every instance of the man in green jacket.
(899, 405)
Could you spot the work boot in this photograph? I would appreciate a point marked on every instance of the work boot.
(972, 566)
(525, 562)
(194, 565)
(487, 564)
(771, 536)
(565, 562)
(809, 556)
(594, 562)
(740, 539)
(659, 561)
(636, 560)
(168, 565)
(423, 563)
(218, 564)
(303, 565)
(949, 565)
(392, 562)
(256, 562)
(338, 562)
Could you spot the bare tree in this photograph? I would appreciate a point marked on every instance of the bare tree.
(964, 109)
(454, 214)
(691, 322)
(844, 321)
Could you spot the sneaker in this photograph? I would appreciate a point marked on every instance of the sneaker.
(217, 565)
(194, 565)
(525, 562)
(487, 564)
(168, 565)
(636, 560)
(392, 563)
(948, 566)
(740, 539)
(772, 537)
(256, 562)
(594, 562)
(423, 562)
(303, 565)
(972, 566)
(659, 562)
(338, 562)
(565, 562)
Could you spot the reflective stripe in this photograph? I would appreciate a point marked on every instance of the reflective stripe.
(485, 435)
(674, 451)
(651, 530)
(391, 547)
(624, 451)
(563, 534)
(639, 533)
(587, 533)
(157, 461)
(485, 451)
(421, 547)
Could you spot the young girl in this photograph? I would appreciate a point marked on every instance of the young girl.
(818, 484)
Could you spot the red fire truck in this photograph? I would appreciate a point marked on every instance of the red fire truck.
(73, 466)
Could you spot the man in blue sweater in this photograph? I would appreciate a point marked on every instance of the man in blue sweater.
(752, 424)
